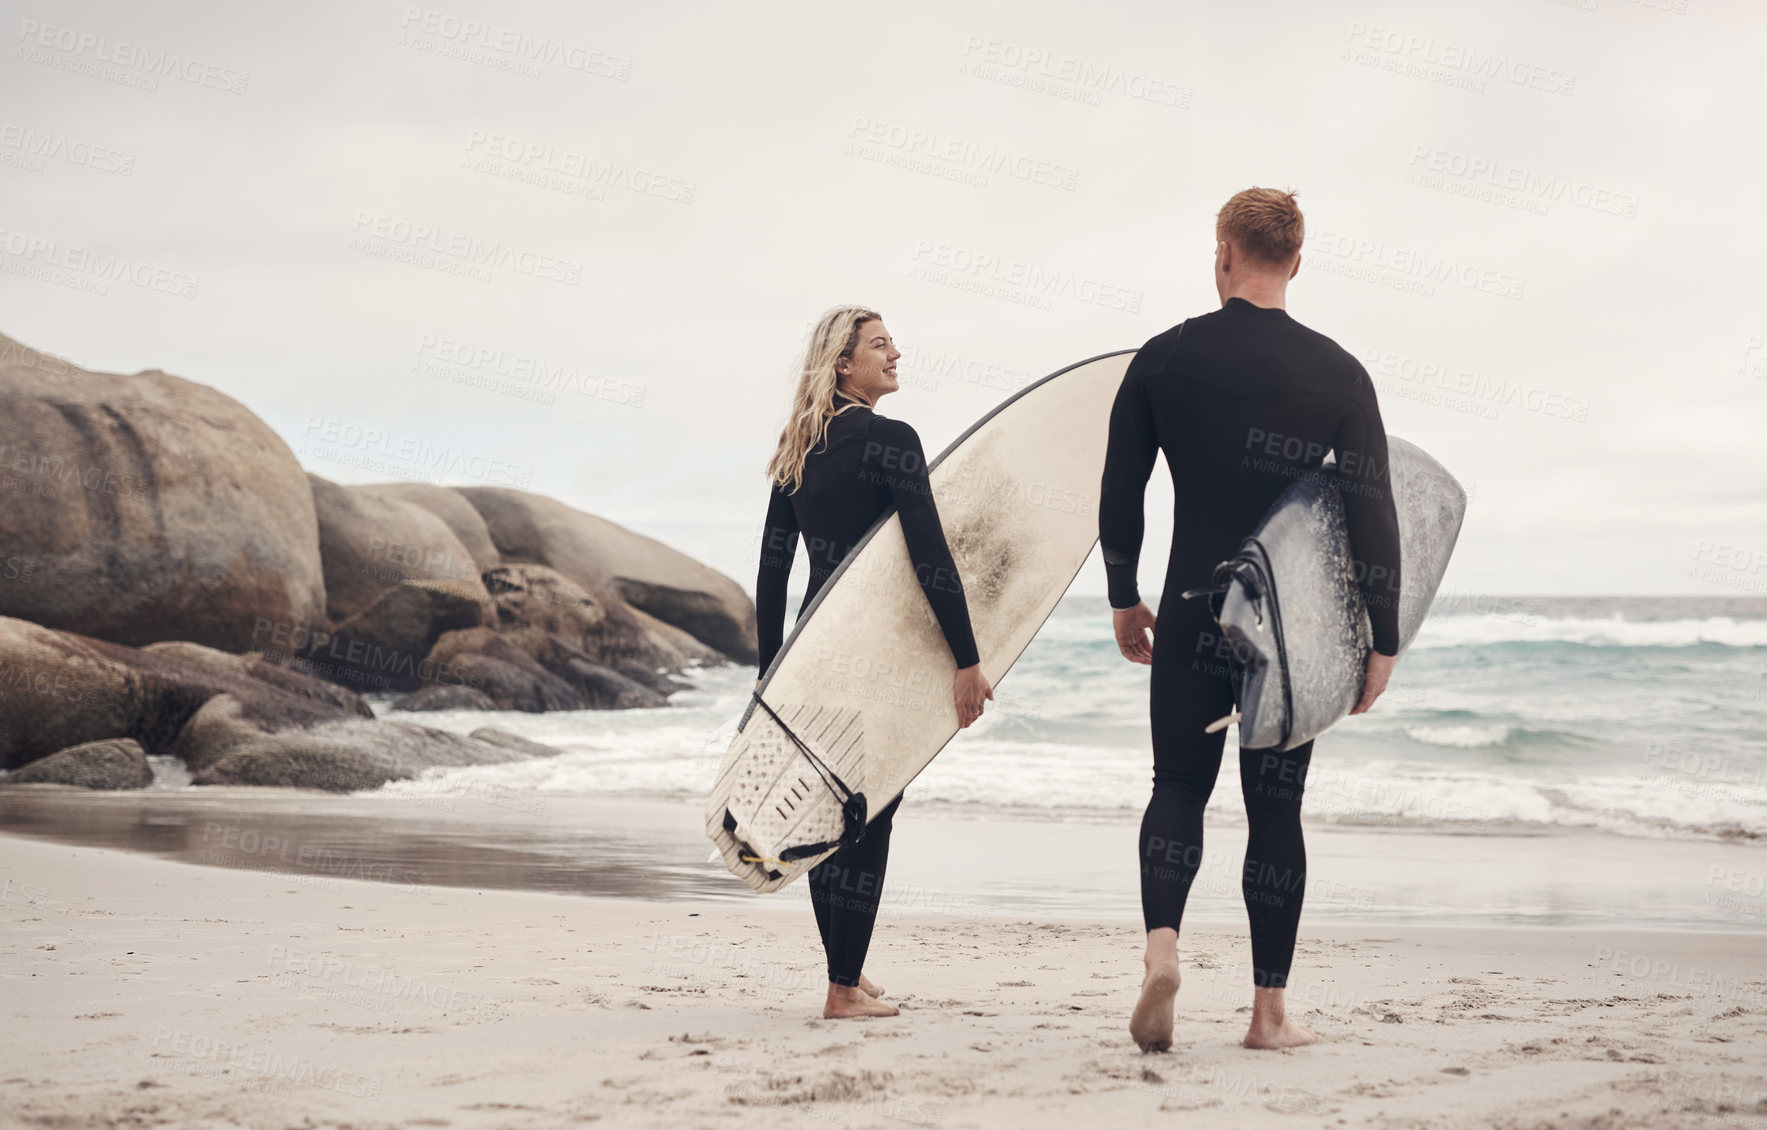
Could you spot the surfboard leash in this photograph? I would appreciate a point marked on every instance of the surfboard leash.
(1264, 572)
(1252, 570)
(853, 806)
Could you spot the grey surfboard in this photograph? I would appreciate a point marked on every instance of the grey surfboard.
(1292, 613)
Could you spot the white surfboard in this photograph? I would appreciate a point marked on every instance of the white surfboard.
(864, 679)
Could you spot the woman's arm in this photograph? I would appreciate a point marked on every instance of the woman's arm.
(779, 545)
(895, 454)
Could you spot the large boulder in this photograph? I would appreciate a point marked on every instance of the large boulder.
(341, 755)
(452, 508)
(384, 646)
(232, 719)
(607, 558)
(609, 631)
(141, 508)
(509, 676)
(255, 666)
(528, 669)
(59, 689)
(117, 763)
(371, 541)
(445, 696)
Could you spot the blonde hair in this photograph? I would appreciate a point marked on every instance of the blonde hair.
(1266, 223)
(813, 403)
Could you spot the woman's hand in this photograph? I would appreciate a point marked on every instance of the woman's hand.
(1132, 626)
(969, 687)
(1380, 669)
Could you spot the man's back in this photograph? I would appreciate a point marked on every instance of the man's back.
(1242, 401)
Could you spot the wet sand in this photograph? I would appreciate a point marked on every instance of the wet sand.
(944, 859)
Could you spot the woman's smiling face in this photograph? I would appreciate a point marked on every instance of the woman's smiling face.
(871, 370)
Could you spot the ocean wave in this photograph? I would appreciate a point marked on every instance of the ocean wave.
(1061, 783)
(1460, 737)
(1461, 630)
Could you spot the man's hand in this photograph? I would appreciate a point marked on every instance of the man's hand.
(1132, 627)
(969, 687)
(1380, 669)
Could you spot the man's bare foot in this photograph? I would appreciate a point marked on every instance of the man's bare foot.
(1288, 1034)
(846, 1002)
(1271, 1028)
(1151, 1022)
(867, 987)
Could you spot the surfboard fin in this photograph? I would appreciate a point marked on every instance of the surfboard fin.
(1221, 723)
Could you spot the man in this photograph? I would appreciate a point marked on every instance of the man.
(1241, 401)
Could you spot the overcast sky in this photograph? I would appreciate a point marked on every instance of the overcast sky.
(1538, 223)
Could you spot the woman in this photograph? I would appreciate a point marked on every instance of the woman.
(838, 467)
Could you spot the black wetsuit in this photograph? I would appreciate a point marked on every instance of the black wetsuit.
(1241, 401)
(868, 464)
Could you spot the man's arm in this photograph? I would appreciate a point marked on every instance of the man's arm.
(1371, 515)
(1122, 518)
(1128, 461)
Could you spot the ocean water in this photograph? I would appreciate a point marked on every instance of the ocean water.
(1636, 716)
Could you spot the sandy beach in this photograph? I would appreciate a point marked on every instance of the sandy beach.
(142, 991)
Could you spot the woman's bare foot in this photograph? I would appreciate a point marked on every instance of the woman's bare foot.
(1271, 1028)
(848, 1001)
(867, 987)
(1151, 1022)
